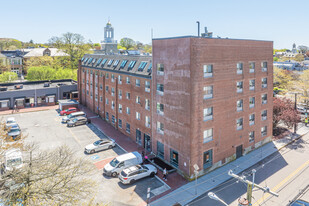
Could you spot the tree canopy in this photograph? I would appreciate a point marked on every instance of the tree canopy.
(8, 77)
(9, 44)
(127, 43)
(49, 73)
(72, 44)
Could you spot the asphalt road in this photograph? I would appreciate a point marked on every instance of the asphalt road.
(285, 172)
(44, 128)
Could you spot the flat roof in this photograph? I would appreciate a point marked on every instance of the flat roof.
(226, 38)
(37, 85)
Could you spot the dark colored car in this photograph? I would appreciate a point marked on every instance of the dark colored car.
(299, 203)
(78, 121)
(68, 111)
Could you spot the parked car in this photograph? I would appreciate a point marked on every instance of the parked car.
(77, 121)
(121, 162)
(68, 111)
(299, 203)
(131, 174)
(10, 120)
(13, 159)
(14, 131)
(100, 145)
(73, 115)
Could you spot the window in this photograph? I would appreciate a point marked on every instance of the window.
(138, 116)
(120, 93)
(239, 105)
(128, 95)
(160, 69)
(160, 89)
(113, 91)
(239, 124)
(106, 101)
(147, 104)
(207, 159)
(98, 62)
(113, 105)
(107, 117)
(87, 92)
(251, 136)
(264, 66)
(107, 75)
(83, 81)
(128, 130)
(251, 119)
(251, 84)
(120, 123)
(128, 80)
(264, 82)
(106, 88)
(147, 86)
(239, 86)
(208, 70)
(119, 79)
(208, 92)
(128, 110)
(101, 99)
(120, 108)
(123, 64)
(239, 68)
(147, 121)
(138, 100)
(251, 102)
(264, 98)
(96, 97)
(101, 86)
(160, 108)
(264, 115)
(91, 94)
(141, 67)
(91, 83)
(208, 113)
(131, 65)
(160, 128)
(103, 62)
(110, 62)
(87, 82)
(160, 149)
(149, 68)
(115, 63)
(174, 157)
(138, 82)
(208, 135)
(113, 78)
(113, 119)
(264, 131)
(251, 67)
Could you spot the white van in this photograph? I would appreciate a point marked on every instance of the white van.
(13, 159)
(121, 162)
(72, 116)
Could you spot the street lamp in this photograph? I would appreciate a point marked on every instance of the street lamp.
(213, 196)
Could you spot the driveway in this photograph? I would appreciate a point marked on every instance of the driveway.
(46, 130)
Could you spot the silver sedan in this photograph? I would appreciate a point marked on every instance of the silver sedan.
(100, 145)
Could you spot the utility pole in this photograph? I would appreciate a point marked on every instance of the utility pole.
(295, 107)
(250, 186)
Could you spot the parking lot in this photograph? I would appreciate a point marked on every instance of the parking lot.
(46, 130)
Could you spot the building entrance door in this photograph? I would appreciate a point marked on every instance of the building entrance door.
(147, 142)
(238, 151)
(138, 137)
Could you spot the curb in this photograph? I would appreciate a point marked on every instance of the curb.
(294, 140)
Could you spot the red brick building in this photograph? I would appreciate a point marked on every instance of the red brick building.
(208, 101)
(212, 100)
(118, 88)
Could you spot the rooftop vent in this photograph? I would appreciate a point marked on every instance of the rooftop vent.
(19, 86)
(46, 84)
(207, 34)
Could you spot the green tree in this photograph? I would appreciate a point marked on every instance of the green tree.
(127, 43)
(283, 78)
(8, 77)
(148, 48)
(72, 44)
(40, 73)
(303, 86)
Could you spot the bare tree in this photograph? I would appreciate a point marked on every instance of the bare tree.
(303, 49)
(54, 177)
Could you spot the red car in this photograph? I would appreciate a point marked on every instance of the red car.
(68, 111)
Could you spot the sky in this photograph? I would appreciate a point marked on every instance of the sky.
(282, 21)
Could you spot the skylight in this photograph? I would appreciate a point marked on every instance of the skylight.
(110, 62)
(142, 66)
(103, 62)
(99, 61)
(116, 63)
(123, 64)
(131, 65)
(149, 68)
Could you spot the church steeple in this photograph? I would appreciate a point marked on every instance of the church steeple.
(108, 33)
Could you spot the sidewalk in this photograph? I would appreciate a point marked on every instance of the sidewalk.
(186, 193)
(28, 109)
